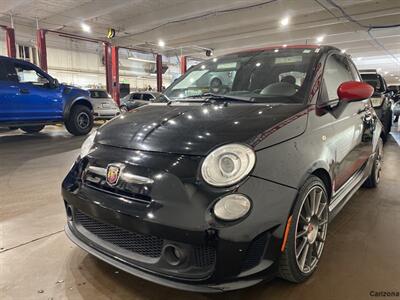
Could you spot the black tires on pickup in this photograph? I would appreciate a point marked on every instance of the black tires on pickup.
(80, 120)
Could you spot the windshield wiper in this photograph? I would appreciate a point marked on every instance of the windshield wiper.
(212, 96)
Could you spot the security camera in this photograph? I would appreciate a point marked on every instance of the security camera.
(209, 52)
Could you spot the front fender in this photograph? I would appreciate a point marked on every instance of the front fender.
(69, 103)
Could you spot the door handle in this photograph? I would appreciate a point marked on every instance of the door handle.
(24, 91)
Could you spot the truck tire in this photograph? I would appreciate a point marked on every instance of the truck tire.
(80, 121)
(32, 129)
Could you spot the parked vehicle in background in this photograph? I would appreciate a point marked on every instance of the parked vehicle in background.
(137, 99)
(104, 107)
(394, 90)
(30, 99)
(396, 111)
(380, 99)
(214, 192)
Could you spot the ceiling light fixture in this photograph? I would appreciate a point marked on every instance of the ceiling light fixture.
(359, 58)
(85, 27)
(386, 72)
(161, 43)
(285, 21)
(284, 46)
(320, 39)
(343, 51)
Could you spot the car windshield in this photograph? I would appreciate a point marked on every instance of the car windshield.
(374, 80)
(99, 94)
(280, 75)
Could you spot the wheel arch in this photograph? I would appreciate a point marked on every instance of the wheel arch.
(326, 178)
(321, 170)
(77, 101)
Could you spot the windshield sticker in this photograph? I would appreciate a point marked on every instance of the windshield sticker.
(288, 59)
(227, 66)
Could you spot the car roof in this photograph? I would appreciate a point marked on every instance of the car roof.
(20, 61)
(323, 48)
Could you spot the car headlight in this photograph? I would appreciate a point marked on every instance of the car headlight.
(228, 164)
(232, 207)
(88, 144)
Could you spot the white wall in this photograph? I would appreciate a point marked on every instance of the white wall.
(80, 63)
(85, 69)
(3, 50)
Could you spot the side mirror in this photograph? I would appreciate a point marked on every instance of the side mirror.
(354, 90)
(54, 83)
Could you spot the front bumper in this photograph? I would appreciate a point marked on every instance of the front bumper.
(114, 261)
(177, 211)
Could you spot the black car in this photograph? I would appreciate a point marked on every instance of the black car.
(380, 99)
(137, 99)
(212, 192)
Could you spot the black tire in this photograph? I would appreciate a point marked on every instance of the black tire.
(375, 175)
(32, 129)
(80, 121)
(123, 109)
(310, 231)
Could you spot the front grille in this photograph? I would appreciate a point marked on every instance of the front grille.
(132, 192)
(146, 245)
(204, 256)
(143, 244)
(255, 252)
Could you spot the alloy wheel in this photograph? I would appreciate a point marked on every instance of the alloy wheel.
(83, 120)
(311, 229)
(378, 163)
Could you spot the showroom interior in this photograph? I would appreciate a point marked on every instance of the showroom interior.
(144, 60)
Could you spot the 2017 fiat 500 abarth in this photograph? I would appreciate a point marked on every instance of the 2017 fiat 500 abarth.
(227, 185)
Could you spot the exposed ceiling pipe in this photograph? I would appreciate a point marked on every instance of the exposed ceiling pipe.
(369, 28)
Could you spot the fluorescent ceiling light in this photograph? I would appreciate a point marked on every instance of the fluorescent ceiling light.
(320, 39)
(285, 21)
(85, 27)
(161, 43)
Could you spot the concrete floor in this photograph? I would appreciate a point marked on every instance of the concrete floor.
(37, 261)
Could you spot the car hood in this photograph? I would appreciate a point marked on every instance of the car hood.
(68, 89)
(197, 128)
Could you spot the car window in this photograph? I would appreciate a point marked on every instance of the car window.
(266, 75)
(373, 80)
(354, 71)
(336, 71)
(29, 75)
(136, 96)
(7, 72)
(99, 94)
(148, 97)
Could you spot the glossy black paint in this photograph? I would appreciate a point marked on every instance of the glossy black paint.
(384, 111)
(167, 143)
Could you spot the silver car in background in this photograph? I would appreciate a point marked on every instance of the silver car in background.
(104, 107)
